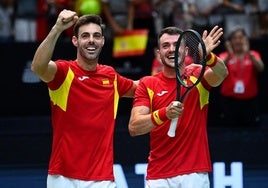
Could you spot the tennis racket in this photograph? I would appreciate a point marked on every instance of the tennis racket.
(190, 51)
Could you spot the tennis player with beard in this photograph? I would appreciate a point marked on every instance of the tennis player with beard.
(84, 99)
(182, 161)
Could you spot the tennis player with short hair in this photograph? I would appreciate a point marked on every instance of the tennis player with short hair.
(84, 99)
(184, 160)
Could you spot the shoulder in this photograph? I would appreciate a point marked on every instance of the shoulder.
(106, 69)
(64, 64)
(149, 79)
(63, 61)
(254, 52)
(146, 78)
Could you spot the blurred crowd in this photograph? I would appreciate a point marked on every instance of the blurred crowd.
(30, 20)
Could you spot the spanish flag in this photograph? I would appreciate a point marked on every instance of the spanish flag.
(130, 43)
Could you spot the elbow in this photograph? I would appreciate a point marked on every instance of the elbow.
(132, 134)
(34, 69)
(132, 130)
(261, 68)
(135, 129)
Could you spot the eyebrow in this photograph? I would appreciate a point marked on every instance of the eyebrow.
(91, 33)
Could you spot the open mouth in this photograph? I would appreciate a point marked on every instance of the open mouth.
(171, 57)
(91, 49)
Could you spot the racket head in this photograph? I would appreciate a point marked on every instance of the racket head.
(190, 54)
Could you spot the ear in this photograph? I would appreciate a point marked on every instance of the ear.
(74, 41)
(157, 51)
(103, 41)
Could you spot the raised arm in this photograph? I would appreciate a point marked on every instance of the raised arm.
(218, 70)
(110, 19)
(42, 65)
(257, 62)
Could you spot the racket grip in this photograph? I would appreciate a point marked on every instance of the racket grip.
(172, 128)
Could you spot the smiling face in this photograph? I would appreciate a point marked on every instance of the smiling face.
(167, 46)
(89, 42)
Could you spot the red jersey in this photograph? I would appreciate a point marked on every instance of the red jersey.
(241, 82)
(188, 151)
(84, 106)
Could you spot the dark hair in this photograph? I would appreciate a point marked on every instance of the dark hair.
(235, 30)
(170, 31)
(86, 19)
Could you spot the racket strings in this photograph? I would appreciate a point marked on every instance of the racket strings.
(194, 48)
(193, 56)
(191, 52)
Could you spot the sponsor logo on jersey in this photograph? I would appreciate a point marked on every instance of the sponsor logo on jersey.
(81, 78)
(162, 93)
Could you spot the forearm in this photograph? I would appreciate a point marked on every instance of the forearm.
(44, 52)
(143, 121)
(131, 13)
(217, 72)
(108, 16)
(258, 63)
(220, 69)
(141, 125)
(140, 121)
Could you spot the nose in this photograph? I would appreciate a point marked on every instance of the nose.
(172, 48)
(91, 38)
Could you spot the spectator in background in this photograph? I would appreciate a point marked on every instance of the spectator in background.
(178, 12)
(235, 13)
(183, 13)
(212, 12)
(143, 17)
(239, 91)
(6, 20)
(263, 8)
(232, 6)
(54, 7)
(118, 16)
(163, 10)
(25, 16)
(41, 20)
(203, 10)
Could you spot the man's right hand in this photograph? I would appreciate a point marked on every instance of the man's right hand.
(66, 19)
